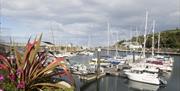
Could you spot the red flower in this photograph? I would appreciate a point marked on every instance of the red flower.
(19, 72)
(11, 77)
(21, 85)
(1, 77)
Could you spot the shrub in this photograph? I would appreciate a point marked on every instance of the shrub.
(31, 70)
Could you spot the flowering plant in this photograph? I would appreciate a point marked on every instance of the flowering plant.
(29, 70)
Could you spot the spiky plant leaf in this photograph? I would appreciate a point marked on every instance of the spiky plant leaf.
(30, 67)
(18, 59)
(54, 85)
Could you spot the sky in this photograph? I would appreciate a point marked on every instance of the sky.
(84, 22)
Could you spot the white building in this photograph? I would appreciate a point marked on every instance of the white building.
(132, 45)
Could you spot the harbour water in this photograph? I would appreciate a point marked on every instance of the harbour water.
(114, 83)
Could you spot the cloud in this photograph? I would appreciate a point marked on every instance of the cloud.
(76, 19)
(175, 14)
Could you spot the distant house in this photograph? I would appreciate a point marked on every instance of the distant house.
(132, 45)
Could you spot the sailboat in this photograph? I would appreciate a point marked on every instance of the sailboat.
(167, 59)
(138, 74)
(103, 60)
(115, 60)
(145, 77)
(162, 62)
(108, 60)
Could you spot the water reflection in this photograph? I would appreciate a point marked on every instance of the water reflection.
(114, 83)
(142, 86)
(97, 85)
(167, 75)
(110, 83)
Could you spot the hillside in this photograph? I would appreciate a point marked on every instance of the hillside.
(168, 39)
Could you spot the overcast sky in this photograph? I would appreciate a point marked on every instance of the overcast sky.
(77, 21)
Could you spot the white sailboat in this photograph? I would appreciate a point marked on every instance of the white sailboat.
(167, 59)
(116, 59)
(142, 74)
(145, 77)
(161, 62)
(130, 57)
(144, 67)
(103, 61)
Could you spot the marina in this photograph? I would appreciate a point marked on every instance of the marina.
(126, 84)
(89, 45)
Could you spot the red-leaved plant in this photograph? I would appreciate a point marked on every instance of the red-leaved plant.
(29, 70)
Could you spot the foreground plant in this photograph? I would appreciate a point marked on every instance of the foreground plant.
(32, 70)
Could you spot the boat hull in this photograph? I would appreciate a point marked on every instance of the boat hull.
(150, 79)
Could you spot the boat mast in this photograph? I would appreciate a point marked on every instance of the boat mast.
(52, 34)
(159, 41)
(53, 41)
(136, 36)
(108, 38)
(116, 44)
(66, 45)
(131, 40)
(88, 47)
(145, 28)
(153, 38)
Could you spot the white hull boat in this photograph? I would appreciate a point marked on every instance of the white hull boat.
(144, 66)
(87, 53)
(145, 77)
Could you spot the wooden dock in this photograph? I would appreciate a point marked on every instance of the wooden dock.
(91, 77)
(88, 79)
(115, 71)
